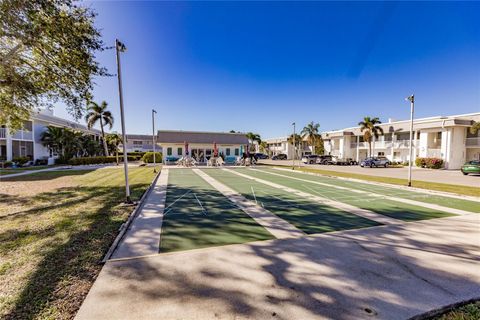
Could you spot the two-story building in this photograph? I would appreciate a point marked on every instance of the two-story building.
(276, 146)
(26, 142)
(444, 137)
(141, 143)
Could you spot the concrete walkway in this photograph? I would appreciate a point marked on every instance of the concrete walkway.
(27, 172)
(387, 272)
(420, 174)
(143, 235)
(335, 204)
(278, 227)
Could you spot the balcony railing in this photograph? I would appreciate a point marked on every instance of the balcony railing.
(434, 153)
(470, 142)
(3, 133)
(23, 135)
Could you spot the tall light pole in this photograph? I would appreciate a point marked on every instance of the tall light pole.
(120, 47)
(294, 147)
(412, 106)
(153, 140)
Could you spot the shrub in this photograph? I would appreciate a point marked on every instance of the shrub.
(7, 164)
(98, 160)
(21, 160)
(430, 163)
(148, 157)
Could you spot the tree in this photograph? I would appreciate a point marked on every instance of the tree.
(52, 138)
(62, 141)
(263, 146)
(47, 54)
(252, 138)
(89, 146)
(371, 128)
(310, 131)
(99, 113)
(113, 141)
(298, 142)
(475, 128)
(319, 147)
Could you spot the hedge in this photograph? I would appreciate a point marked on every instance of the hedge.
(21, 160)
(148, 157)
(430, 163)
(98, 160)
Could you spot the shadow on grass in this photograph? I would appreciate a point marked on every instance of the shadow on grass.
(67, 268)
(45, 175)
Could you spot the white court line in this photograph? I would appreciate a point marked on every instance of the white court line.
(339, 205)
(254, 196)
(407, 201)
(203, 209)
(171, 204)
(278, 227)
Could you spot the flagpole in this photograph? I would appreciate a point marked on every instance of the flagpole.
(153, 140)
(410, 160)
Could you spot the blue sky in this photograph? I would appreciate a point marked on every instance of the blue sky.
(259, 66)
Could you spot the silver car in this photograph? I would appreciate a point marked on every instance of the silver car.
(375, 162)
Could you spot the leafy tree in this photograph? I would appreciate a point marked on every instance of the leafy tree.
(89, 146)
(52, 138)
(263, 146)
(113, 141)
(475, 128)
(63, 141)
(369, 127)
(252, 138)
(47, 54)
(319, 147)
(311, 132)
(99, 113)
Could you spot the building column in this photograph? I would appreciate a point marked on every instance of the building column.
(415, 145)
(373, 147)
(392, 147)
(358, 148)
(9, 145)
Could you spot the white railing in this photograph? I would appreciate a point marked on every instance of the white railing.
(470, 142)
(3, 133)
(23, 135)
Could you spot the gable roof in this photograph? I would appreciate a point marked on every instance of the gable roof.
(170, 136)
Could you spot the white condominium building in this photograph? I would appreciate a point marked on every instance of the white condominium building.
(447, 138)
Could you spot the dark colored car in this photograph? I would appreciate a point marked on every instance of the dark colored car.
(325, 159)
(375, 162)
(261, 156)
(280, 156)
(471, 167)
(310, 159)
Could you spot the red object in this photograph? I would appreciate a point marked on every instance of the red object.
(215, 150)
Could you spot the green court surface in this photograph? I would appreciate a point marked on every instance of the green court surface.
(393, 209)
(445, 201)
(197, 216)
(308, 216)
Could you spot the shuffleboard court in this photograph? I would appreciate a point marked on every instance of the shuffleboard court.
(450, 202)
(307, 215)
(197, 216)
(393, 209)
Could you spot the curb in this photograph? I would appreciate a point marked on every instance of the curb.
(429, 315)
(124, 227)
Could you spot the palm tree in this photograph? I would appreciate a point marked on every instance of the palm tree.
(371, 128)
(99, 113)
(263, 146)
(311, 132)
(52, 138)
(253, 137)
(113, 141)
(475, 128)
(298, 142)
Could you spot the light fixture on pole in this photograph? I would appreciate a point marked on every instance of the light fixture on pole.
(120, 47)
(294, 147)
(154, 140)
(412, 106)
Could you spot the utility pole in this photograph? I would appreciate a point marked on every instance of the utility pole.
(294, 147)
(412, 107)
(154, 140)
(120, 47)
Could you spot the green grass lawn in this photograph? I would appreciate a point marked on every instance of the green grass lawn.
(4, 171)
(187, 225)
(453, 188)
(393, 209)
(309, 216)
(51, 242)
(469, 311)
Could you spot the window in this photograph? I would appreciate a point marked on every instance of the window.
(137, 143)
(227, 151)
(237, 152)
(169, 151)
(180, 151)
(381, 154)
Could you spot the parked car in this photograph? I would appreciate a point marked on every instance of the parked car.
(375, 162)
(310, 159)
(325, 159)
(280, 156)
(471, 167)
(261, 156)
(344, 162)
